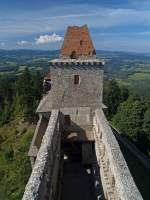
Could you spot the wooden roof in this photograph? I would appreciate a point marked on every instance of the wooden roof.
(77, 43)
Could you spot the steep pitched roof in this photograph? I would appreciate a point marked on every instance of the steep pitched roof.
(77, 43)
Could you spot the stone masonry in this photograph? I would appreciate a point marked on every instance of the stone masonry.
(73, 131)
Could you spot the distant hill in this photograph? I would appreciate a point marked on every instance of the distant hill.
(130, 69)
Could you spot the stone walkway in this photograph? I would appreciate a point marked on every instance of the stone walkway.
(77, 183)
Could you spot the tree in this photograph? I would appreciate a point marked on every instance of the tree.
(28, 94)
(37, 85)
(146, 122)
(6, 112)
(112, 96)
(124, 93)
(132, 119)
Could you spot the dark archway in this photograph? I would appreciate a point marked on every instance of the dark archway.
(73, 55)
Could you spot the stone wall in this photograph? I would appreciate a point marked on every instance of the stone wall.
(42, 183)
(81, 123)
(88, 93)
(37, 138)
(117, 181)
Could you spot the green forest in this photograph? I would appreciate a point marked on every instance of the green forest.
(129, 113)
(19, 96)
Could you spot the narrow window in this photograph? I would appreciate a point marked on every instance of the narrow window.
(67, 120)
(76, 79)
(94, 52)
(73, 55)
(113, 181)
(81, 42)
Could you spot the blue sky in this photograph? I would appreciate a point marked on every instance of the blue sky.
(40, 24)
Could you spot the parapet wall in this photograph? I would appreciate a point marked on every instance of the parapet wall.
(37, 138)
(117, 181)
(44, 176)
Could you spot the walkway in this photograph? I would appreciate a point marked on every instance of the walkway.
(77, 183)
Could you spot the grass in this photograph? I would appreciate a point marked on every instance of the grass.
(142, 70)
(123, 82)
(6, 73)
(137, 82)
(14, 163)
(21, 68)
(39, 59)
(140, 76)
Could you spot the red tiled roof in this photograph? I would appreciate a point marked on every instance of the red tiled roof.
(77, 43)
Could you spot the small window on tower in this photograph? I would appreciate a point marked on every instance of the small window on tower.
(76, 79)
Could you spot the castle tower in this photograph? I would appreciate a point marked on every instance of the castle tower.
(74, 151)
(76, 81)
(77, 76)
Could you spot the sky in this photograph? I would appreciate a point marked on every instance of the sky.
(115, 25)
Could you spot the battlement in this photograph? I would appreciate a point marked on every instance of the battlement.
(77, 62)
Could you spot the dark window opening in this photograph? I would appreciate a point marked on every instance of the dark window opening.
(94, 52)
(73, 55)
(67, 120)
(76, 79)
(81, 42)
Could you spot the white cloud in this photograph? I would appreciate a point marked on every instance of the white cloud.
(45, 39)
(98, 17)
(23, 42)
(2, 44)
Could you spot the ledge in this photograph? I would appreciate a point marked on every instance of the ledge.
(125, 184)
(65, 62)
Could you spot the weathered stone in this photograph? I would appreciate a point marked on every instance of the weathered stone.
(76, 95)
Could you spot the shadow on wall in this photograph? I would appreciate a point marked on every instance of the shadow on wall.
(80, 180)
(73, 131)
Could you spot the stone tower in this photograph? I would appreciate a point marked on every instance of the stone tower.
(74, 153)
(77, 81)
(77, 76)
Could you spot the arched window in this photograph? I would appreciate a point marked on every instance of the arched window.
(73, 55)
